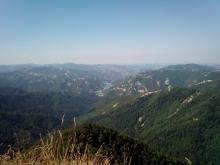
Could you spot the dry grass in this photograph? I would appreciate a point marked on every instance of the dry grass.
(54, 150)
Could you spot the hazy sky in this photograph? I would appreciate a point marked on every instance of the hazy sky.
(109, 31)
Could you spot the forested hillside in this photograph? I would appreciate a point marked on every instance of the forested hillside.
(22, 130)
(182, 122)
(148, 82)
(174, 110)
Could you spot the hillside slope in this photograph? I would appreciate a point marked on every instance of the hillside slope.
(88, 144)
(183, 123)
(190, 75)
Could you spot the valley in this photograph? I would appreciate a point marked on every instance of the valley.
(174, 109)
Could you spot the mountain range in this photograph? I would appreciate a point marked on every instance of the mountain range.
(173, 110)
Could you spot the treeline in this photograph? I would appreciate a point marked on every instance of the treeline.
(120, 147)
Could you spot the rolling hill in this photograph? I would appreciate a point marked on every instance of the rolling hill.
(102, 143)
(182, 122)
(147, 82)
(174, 110)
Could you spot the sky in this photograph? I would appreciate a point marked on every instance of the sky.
(109, 31)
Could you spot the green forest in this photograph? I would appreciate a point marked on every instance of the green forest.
(164, 116)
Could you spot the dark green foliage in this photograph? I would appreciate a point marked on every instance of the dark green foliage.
(182, 123)
(120, 147)
(54, 104)
(32, 98)
(21, 130)
(24, 116)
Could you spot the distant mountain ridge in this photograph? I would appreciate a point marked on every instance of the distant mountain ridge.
(189, 75)
(190, 67)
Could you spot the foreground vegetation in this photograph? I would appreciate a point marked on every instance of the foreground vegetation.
(87, 144)
(52, 152)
